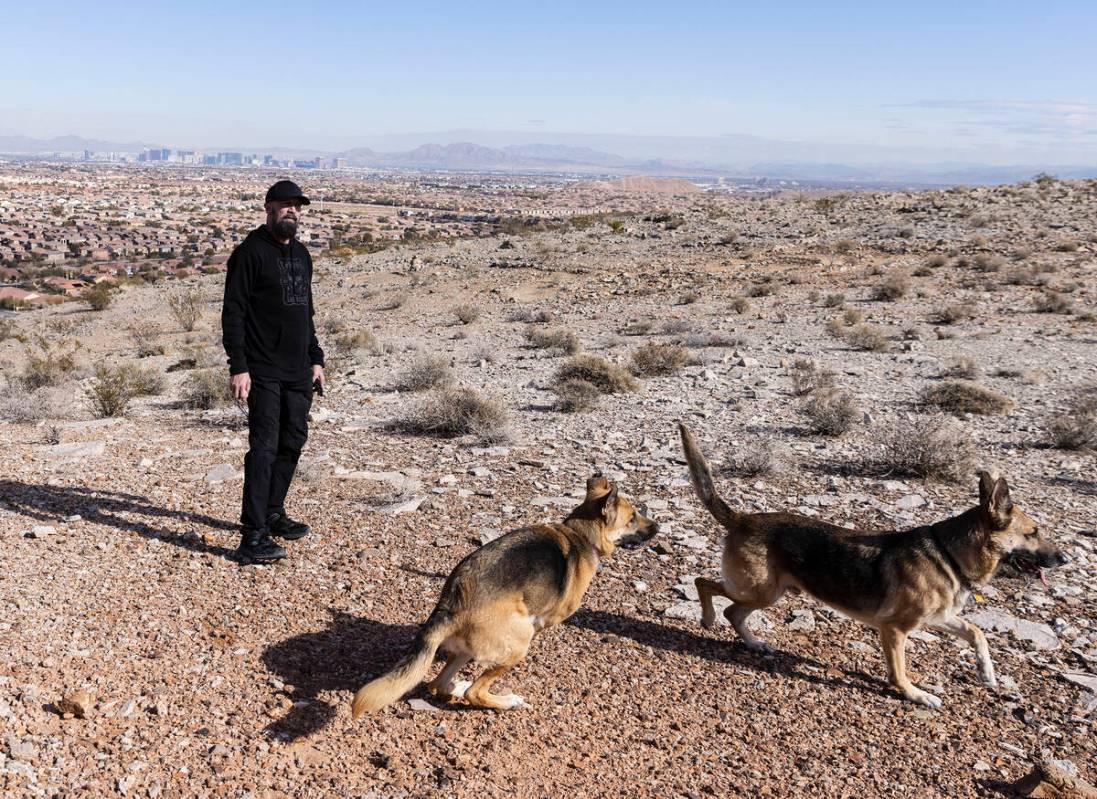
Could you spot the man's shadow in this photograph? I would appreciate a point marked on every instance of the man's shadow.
(46, 503)
(343, 657)
(721, 650)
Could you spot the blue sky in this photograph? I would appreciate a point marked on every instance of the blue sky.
(1009, 81)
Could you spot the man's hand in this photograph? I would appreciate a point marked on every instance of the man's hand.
(240, 386)
(318, 374)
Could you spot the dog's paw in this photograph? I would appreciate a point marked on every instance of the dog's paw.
(512, 701)
(758, 647)
(924, 698)
(990, 681)
(708, 622)
(459, 689)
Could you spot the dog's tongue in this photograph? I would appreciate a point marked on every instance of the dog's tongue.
(1043, 579)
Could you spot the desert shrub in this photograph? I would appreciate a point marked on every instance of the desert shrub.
(834, 300)
(574, 395)
(714, 339)
(659, 359)
(608, 377)
(397, 300)
(963, 396)
(466, 314)
(20, 404)
(8, 329)
(689, 298)
(1054, 302)
(845, 246)
(112, 388)
(144, 334)
(531, 316)
(425, 373)
(808, 377)
(674, 327)
(936, 261)
(564, 341)
(756, 459)
(1077, 428)
(740, 305)
(928, 447)
(951, 314)
(892, 287)
(987, 262)
(186, 307)
(99, 296)
(836, 328)
(48, 363)
(830, 412)
(851, 316)
(142, 380)
(452, 412)
(867, 337)
(638, 328)
(763, 289)
(964, 368)
(616, 225)
(204, 389)
(357, 340)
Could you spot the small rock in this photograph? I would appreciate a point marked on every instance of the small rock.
(423, 705)
(802, 621)
(222, 473)
(910, 501)
(78, 703)
(1050, 781)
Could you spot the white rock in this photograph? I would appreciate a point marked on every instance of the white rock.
(223, 472)
(1040, 636)
(407, 506)
(910, 501)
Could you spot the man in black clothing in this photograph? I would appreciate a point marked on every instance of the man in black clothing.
(275, 362)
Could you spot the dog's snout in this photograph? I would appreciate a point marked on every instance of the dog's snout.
(1059, 558)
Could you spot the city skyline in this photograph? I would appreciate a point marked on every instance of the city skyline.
(991, 83)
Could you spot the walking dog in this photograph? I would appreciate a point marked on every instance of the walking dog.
(501, 595)
(893, 581)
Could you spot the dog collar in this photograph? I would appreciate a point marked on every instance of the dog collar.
(953, 564)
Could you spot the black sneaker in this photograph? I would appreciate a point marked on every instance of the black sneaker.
(283, 526)
(256, 546)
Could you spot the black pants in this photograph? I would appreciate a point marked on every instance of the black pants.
(278, 413)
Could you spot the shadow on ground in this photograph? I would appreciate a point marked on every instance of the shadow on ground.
(122, 511)
(349, 653)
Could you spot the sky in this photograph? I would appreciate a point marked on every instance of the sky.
(992, 82)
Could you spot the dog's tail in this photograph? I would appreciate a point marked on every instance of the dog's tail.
(701, 477)
(389, 687)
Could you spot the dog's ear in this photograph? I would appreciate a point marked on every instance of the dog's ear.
(994, 497)
(609, 505)
(597, 486)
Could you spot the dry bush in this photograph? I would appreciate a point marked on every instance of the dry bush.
(851, 316)
(638, 328)
(1025, 276)
(20, 404)
(397, 300)
(763, 289)
(574, 396)
(930, 447)
(8, 329)
(830, 412)
(845, 246)
(834, 300)
(867, 337)
(808, 377)
(653, 359)
(951, 314)
(1077, 428)
(112, 388)
(962, 396)
(48, 364)
(144, 334)
(466, 314)
(936, 261)
(452, 412)
(425, 373)
(558, 339)
(204, 389)
(1054, 302)
(715, 339)
(531, 316)
(986, 262)
(756, 459)
(609, 377)
(740, 305)
(892, 287)
(359, 340)
(676, 327)
(836, 328)
(964, 368)
(186, 308)
(689, 298)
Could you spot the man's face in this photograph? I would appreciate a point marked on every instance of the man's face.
(282, 217)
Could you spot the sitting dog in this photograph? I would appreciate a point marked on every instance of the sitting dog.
(499, 596)
(894, 581)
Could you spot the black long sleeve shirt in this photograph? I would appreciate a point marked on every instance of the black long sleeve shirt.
(266, 320)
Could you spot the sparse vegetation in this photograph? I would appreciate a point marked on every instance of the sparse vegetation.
(186, 307)
(112, 388)
(952, 314)
(1054, 302)
(867, 337)
(1076, 429)
(453, 412)
(99, 296)
(964, 368)
(466, 314)
(932, 447)
(740, 305)
(575, 395)
(205, 389)
(425, 373)
(892, 287)
(757, 458)
(608, 377)
(558, 339)
(144, 334)
(654, 359)
(48, 364)
(831, 411)
(963, 396)
(834, 300)
(808, 377)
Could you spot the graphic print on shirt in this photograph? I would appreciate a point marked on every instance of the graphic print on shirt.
(295, 285)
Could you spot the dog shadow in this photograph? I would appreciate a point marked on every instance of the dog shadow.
(343, 657)
(720, 650)
(129, 513)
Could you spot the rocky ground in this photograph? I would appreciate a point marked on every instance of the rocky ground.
(203, 677)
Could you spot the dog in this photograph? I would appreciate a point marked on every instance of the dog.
(501, 595)
(896, 582)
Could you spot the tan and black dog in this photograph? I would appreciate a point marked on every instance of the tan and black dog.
(498, 597)
(893, 581)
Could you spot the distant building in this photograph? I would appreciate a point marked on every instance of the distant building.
(339, 163)
(231, 159)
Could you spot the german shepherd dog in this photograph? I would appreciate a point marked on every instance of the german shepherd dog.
(499, 596)
(893, 581)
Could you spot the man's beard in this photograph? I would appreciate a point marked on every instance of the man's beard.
(285, 228)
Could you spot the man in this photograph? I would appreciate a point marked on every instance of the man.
(275, 362)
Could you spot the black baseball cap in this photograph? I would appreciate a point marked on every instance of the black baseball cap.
(286, 190)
